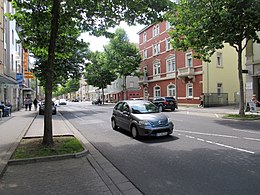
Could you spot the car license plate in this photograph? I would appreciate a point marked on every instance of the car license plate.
(171, 102)
(161, 134)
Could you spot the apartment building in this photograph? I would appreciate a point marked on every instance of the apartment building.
(10, 57)
(253, 67)
(178, 74)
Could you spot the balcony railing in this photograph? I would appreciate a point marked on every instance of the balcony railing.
(186, 72)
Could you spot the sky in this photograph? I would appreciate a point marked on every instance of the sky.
(97, 43)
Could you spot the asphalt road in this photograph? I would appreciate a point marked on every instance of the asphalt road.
(205, 155)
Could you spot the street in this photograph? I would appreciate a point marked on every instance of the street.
(204, 155)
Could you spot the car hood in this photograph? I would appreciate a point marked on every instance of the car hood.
(150, 117)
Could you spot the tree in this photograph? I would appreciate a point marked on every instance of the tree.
(46, 26)
(123, 56)
(98, 72)
(206, 25)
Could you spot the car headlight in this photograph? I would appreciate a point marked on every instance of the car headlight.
(145, 123)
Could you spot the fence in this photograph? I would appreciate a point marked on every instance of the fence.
(215, 99)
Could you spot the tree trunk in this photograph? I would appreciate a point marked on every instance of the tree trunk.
(124, 87)
(241, 83)
(48, 137)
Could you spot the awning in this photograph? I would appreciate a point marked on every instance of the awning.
(7, 80)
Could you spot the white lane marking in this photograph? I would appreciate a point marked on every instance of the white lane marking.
(222, 145)
(247, 131)
(231, 147)
(209, 134)
(189, 136)
(252, 139)
(78, 117)
(217, 115)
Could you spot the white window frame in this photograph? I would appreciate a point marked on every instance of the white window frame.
(145, 54)
(168, 25)
(144, 37)
(170, 64)
(168, 44)
(156, 68)
(189, 86)
(156, 30)
(157, 91)
(188, 60)
(171, 90)
(156, 49)
(219, 59)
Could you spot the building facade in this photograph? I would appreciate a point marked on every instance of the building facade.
(10, 58)
(253, 67)
(178, 74)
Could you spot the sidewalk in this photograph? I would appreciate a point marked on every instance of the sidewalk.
(90, 174)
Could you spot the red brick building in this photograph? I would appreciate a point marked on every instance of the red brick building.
(168, 72)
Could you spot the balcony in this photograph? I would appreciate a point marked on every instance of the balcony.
(186, 72)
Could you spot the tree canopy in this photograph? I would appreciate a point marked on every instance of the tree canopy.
(47, 27)
(204, 26)
(124, 57)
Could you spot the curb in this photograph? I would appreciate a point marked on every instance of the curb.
(48, 158)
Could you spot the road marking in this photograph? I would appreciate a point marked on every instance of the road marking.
(209, 134)
(253, 139)
(247, 131)
(219, 144)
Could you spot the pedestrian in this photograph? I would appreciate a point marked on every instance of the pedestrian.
(254, 99)
(201, 98)
(10, 105)
(26, 102)
(30, 103)
(5, 109)
(35, 103)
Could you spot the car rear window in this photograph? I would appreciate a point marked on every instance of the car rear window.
(169, 98)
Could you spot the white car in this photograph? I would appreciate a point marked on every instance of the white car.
(62, 102)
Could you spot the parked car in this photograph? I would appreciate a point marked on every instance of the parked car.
(141, 118)
(97, 101)
(42, 108)
(164, 103)
(62, 102)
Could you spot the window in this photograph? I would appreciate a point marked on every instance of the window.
(156, 49)
(168, 44)
(219, 59)
(156, 68)
(145, 37)
(189, 90)
(219, 89)
(13, 37)
(171, 90)
(170, 64)
(188, 60)
(12, 61)
(156, 31)
(131, 84)
(145, 54)
(168, 25)
(157, 91)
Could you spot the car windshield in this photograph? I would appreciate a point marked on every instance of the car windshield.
(144, 108)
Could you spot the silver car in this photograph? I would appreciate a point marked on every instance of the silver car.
(141, 118)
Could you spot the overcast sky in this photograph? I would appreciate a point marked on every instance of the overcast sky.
(97, 43)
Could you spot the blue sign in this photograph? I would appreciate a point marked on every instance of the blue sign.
(19, 78)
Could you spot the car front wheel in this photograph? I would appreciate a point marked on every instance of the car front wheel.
(113, 123)
(134, 132)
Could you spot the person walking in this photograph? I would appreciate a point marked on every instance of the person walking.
(30, 103)
(35, 103)
(26, 102)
